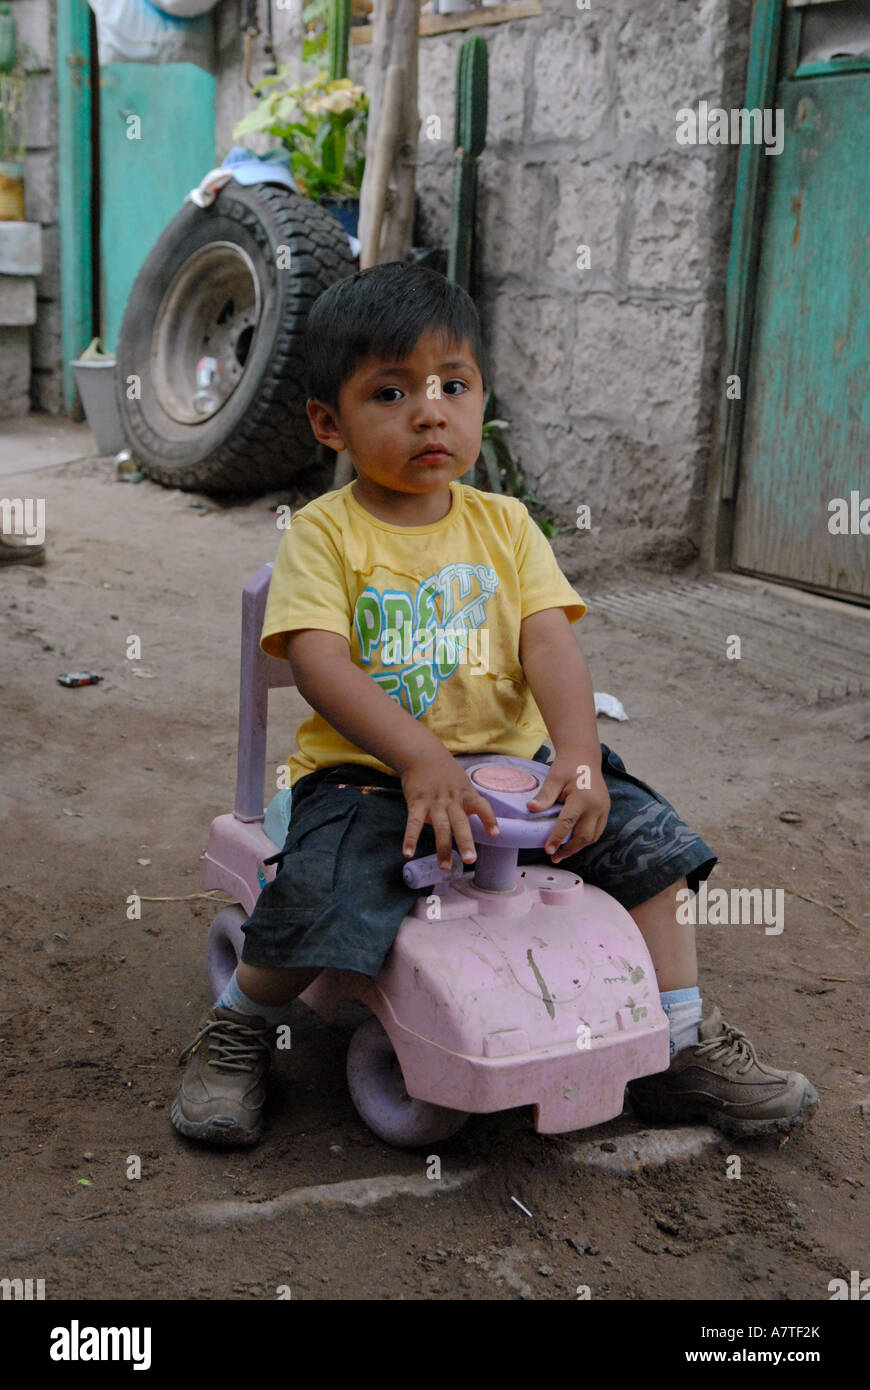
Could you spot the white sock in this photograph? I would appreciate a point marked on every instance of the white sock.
(235, 998)
(683, 1008)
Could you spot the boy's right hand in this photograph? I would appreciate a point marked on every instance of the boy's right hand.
(439, 792)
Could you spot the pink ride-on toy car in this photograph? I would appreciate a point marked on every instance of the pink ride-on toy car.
(505, 987)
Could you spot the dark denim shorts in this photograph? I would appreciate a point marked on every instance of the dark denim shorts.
(339, 898)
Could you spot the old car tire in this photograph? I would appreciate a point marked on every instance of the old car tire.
(233, 281)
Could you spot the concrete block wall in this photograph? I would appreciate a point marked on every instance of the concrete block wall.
(609, 375)
(37, 26)
(20, 263)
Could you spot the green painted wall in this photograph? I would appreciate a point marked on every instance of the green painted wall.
(806, 434)
(146, 169)
(74, 181)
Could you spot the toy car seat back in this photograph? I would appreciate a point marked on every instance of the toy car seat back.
(258, 675)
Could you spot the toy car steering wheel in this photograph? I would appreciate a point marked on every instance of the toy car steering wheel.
(507, 783)
(507, 787)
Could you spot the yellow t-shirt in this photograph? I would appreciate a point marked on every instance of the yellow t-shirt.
(433, 614)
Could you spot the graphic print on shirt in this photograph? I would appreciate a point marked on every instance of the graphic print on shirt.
(424, 646)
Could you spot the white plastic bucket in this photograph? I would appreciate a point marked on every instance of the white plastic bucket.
(96, 386)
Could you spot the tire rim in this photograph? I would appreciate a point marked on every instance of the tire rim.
(211, 309)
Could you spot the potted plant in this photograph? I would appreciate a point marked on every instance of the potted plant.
(13, 79)
(321, 123)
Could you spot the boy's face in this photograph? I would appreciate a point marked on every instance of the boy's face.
(389, 412)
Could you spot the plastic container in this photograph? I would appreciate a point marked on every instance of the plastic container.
(95, 379)
(12, 207)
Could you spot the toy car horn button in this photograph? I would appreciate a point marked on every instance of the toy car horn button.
(499, 777)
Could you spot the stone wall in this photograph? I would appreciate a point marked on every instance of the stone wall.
(609, 375)
(37, 26)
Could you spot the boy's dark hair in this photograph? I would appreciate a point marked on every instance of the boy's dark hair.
(382, 312)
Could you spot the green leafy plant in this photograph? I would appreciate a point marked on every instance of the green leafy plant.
(316, 41)
(13, 103)
(322, 125)
(503, 472)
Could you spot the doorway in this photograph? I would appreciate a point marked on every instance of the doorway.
(803, 465)
(134, 139)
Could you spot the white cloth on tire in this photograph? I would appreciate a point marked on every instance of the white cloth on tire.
(246, 168)
(249, 169)
(205, 192)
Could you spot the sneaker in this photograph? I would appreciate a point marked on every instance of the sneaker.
(721, 1080)
(223, 1089)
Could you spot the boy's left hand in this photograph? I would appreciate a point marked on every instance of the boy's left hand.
(586, 808)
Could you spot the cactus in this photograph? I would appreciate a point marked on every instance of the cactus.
(334, 145)
(469, 137)
(462, 218)
(461, 66)
(470, 104)
(338, 28)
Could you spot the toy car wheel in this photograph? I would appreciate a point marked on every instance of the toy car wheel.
(223, 947)
(377, 1089)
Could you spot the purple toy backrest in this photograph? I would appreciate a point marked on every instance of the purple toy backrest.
(259, 674)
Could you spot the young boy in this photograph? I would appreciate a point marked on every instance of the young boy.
(365, 579)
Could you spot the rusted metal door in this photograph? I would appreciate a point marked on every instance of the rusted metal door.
(804, 477)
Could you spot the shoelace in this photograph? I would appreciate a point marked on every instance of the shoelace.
(731, 1045)
(235, 1045)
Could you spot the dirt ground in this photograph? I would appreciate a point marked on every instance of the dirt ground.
(109, 791)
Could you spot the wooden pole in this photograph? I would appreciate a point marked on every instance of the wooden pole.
(386, 220)
(395, 43)
(388, 134)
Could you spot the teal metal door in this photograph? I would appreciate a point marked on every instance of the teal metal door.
(805, 455)
(157, 141)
